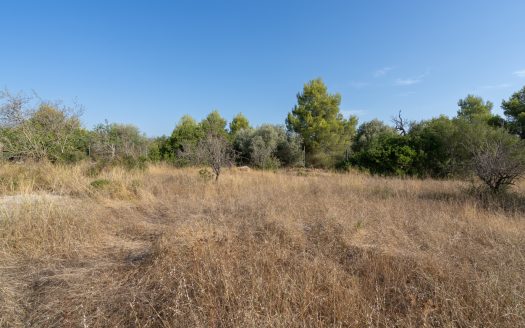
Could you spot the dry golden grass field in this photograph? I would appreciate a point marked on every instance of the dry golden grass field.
(166, 248)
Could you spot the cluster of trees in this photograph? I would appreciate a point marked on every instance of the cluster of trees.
(315, 134)
(439, 147)
(31, 129)
(191, 142)
(475, 141)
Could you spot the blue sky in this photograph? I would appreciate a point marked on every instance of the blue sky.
(150, 62)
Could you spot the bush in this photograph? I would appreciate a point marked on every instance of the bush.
(385, 153)
(268, 147)
(100, 183)
(499, 160)
(40, 131)
(133, 163)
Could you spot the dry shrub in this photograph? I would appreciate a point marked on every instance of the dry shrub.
(275, 250)
(43, 177)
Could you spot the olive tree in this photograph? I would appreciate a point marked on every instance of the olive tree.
(268, 146)
(214, 150)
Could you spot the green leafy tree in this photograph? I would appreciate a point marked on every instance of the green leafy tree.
(368, 132)
(265, 140)
(59, 133)
(514, 110)
(214, 123)
(497, 121)
(381, 150)
(241, 144)
(289, 150)
(267, 147)
(115, 142)
(439, 142)
(473, 108)
(48, 131)
(316, 118)
(186, 135)
(386, 153)
(239, 122)
(445, 145)
(159, 149)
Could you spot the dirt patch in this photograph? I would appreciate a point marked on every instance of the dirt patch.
(12, 200)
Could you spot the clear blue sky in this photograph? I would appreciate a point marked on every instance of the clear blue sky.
(149, 62)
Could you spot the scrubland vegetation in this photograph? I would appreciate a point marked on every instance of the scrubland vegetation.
(327, 223)
(315, 135)
(166, 247)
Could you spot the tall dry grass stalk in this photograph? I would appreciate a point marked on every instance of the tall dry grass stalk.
(166, 248)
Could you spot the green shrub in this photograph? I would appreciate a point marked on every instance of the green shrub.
(133, 163)
(100, 183)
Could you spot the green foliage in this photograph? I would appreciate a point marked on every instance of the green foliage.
(268, 147)
(381, 151)
(239, 122)
(100, 183)
(514, 110)
(214, 123)
(186, 135)
(440, 147)
(438, 144)
(289, 149)
(49, 132)
(316, 133)
(316, 118)
(368, 132)
(242, 146)
(263, 145)
(116, 141)
(159, 149)
(473, 108)
(496, 121)
(133, 163)
(59, 133)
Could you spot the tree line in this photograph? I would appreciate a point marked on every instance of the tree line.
(314, 134)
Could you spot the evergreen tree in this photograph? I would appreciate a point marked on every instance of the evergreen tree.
(316, 118)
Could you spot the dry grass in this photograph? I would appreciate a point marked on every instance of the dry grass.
(165, 248)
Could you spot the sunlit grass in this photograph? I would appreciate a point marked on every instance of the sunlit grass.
(166, 247)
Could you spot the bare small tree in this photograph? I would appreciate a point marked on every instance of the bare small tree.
(215, 151)
(400, 124)
(14, 109)
(499, 162)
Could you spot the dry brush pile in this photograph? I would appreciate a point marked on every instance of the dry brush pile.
(166, 247)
